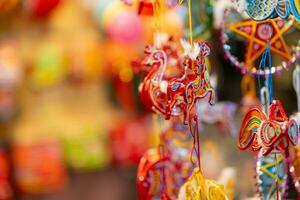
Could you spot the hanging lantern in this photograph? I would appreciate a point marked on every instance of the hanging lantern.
(40, 8)
(128, 141)
(146, 7)
(122, 24)
(39, 167)
(86, 149)
(8, 5)
(5, 186)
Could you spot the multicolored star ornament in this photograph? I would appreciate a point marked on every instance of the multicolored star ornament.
(259, 33)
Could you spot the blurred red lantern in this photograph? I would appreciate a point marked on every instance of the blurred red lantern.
(129, 141)
(39, 168)
(146, 7)
(40, 8)
(8, 5)
(5, 186)
(124, 93)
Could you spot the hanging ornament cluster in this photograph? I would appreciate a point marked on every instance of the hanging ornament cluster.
(176, 82)
(171, 95)
(177, 85)
(269, 128)
(256, 34)
(268, 131)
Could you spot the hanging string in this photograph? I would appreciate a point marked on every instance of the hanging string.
(277, 191)
(190, 19)
(159, 9)
(155, 14)
(156, 135)
(277, 174)
(159, 143)
(266, 68)
(156, 21)
(194, 150)
(161, 150)
(194, 129)
(266, 92)
(198, 142)
(190, 26)
(266, 95)
(268, 80)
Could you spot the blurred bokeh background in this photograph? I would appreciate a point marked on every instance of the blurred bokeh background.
(72, 126)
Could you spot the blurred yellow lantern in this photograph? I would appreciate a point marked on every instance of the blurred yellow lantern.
(48, 66)
(170, 24)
